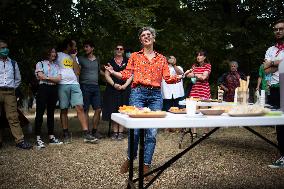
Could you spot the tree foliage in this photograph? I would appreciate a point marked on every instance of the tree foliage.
(227, 29)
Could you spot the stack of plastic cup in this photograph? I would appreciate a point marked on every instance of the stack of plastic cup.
(262, 98)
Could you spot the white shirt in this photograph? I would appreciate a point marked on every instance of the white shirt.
(7, 74)
(271, 56)
(65, 63)
(170, 91)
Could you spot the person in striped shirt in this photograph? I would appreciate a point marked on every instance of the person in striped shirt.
(199, 74)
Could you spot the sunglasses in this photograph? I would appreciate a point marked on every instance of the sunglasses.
(119, 49)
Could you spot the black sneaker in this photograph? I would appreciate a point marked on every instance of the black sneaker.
(120, 136)
(88, 138)
(97, 135)
(54, 141)
(114, 136)
(24, 145)
(66, 138)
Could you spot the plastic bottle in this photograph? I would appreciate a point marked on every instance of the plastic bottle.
(281, 82)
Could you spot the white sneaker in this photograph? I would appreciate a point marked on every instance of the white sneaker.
(278, 163)
(54, 141)
(39, 144)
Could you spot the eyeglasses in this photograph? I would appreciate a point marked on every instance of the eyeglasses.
(119, 49)
(278, 29)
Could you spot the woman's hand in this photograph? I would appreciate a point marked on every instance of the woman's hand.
(109, 68)
(225, 89)
(123, 87)
(189, 73)
(41, 76)
(117, 86)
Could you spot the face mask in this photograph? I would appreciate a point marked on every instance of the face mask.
(127, 55)
(4, 52)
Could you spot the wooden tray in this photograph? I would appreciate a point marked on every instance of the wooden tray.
(148, 115)
(247, 115)
(210, 100)
(178, 112)
(211, 111)
(122, 112)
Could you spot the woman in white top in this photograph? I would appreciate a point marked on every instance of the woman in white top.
(172, 93)
(48, 74)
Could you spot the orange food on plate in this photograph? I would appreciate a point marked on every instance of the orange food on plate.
(126, 109)
(177, 109)
(174, 109)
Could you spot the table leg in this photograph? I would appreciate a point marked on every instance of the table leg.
(162, 168)
(141, 158)
(262, 137)
(131, 158)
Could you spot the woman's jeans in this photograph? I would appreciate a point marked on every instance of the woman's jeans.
(151, 98)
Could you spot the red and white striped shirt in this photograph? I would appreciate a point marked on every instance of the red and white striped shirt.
(201, 89)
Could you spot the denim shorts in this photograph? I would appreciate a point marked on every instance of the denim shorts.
(91, 96)
(69, 95)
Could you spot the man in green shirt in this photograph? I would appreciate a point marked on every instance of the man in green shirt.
(263, 79)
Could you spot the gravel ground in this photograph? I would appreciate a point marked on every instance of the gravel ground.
(230, 158)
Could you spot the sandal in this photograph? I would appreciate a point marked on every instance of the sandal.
(194, 135)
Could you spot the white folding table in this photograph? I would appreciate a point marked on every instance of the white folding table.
(182, 121)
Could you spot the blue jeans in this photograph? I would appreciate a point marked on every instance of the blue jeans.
(151, 98)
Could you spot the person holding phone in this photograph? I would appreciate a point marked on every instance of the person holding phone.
(69, 91)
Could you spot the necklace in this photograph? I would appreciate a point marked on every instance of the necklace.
(118, 60)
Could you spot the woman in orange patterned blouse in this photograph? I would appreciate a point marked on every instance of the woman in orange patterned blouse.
(148, 68)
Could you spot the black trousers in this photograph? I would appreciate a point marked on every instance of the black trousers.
(274, 100)
(46, 98)
(168, 103)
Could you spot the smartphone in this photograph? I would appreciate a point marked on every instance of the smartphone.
(73, 51)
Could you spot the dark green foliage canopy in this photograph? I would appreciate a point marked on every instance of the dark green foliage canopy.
(227, 29)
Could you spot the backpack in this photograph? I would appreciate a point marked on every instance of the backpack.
(18, 92)
(14, 68)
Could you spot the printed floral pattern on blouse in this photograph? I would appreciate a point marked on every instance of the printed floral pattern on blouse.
(147, 72)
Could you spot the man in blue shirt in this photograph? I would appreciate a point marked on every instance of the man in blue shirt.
(10, 79)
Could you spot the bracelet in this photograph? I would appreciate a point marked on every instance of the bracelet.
(113, 84)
